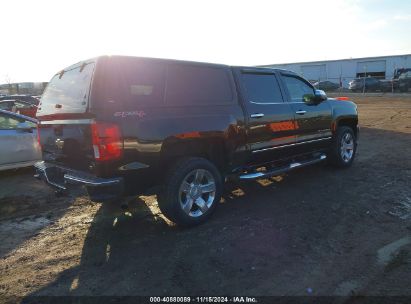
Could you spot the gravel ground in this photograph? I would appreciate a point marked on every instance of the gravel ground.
(315, 231)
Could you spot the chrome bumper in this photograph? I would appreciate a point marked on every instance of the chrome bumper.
(61, 177)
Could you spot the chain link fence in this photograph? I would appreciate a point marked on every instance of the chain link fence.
(362, 84)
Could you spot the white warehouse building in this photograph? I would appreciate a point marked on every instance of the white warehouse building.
(342, 71)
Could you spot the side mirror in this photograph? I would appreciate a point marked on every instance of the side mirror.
(24, 127)
(318, 97)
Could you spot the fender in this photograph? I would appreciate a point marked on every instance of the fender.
(343, 113)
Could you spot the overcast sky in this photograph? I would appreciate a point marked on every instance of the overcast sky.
(41, 37)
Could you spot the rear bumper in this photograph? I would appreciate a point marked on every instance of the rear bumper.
(62, 178)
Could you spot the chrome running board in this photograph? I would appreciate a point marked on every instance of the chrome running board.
(280, 170)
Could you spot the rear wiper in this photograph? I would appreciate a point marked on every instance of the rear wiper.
(61, 74)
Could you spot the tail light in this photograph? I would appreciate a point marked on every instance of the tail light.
(107, 143)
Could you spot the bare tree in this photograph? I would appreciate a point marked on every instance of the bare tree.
(8, 81)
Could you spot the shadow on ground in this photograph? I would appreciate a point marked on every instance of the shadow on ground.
(308, 233)
(26, 207)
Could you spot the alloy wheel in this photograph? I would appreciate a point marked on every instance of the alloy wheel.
(347, 147)
(197, 192)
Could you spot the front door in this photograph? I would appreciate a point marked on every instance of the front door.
(17, 146)
(270, 127)
(313, 121)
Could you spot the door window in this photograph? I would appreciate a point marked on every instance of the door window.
(261, 88)
(297, 88)
(8, 123)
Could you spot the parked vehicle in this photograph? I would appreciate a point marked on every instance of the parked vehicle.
(404, 81)
(34, 100)
(399, 72)
(126, 125)
(326, 85)
(18, 137)
(389, 85)
(371, 85)
(19, 107)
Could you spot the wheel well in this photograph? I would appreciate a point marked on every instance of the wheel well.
(212, 150)
(352, 123)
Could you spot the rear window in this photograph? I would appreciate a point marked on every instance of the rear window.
(68, 91)
(197, 85)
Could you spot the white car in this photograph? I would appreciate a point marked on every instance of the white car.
(19, 146)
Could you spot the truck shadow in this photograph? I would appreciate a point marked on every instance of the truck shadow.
(26, 207)
(271, 237)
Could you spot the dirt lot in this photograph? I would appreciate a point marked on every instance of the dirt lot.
(316, 231)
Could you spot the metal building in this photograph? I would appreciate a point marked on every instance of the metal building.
(342, 71)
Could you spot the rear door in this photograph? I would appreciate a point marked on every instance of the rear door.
(270, 127)
(312, 121)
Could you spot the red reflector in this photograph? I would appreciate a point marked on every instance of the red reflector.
(106, 138)
(341, 98)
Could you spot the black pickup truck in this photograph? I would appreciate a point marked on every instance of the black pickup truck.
(124, 125)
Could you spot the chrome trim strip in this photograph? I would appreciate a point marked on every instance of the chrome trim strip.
(271, 103)
(252, 175)
(96, 182)
(295, 165)
(67, 121)
(289, 145)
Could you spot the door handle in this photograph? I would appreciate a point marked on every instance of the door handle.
(257, 115)
(300, 112)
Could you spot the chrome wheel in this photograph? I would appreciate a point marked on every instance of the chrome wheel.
(347, 147)
(197, 192)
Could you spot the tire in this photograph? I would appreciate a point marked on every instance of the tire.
(341, 155)
(192, 191)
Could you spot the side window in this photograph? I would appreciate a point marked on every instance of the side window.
(130, 82)
(144, 83)
(7, 122)
(196, 84)
(297, 88)
(261, 88)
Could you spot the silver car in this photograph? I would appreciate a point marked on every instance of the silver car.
(19, 146)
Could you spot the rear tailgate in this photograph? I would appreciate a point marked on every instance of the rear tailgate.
(67, 143)
(65, 124)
